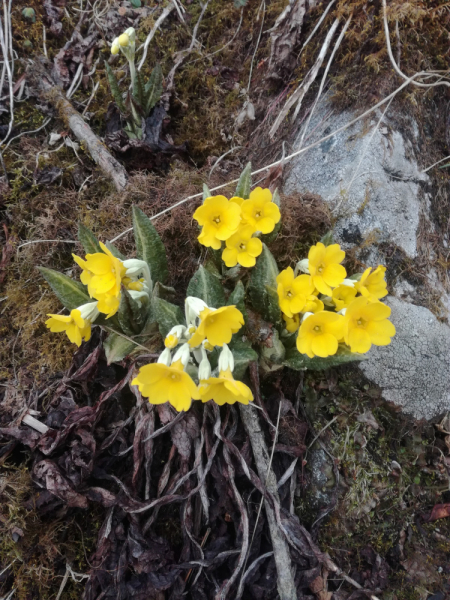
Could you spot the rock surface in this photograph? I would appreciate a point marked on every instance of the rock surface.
(414, 370)
(375, 188)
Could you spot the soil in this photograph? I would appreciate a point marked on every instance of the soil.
(371, 485)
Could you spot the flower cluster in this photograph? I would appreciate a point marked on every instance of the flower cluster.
(126, 43)
(105, 276)
(235, 224)
(206, 328)
(328, 309)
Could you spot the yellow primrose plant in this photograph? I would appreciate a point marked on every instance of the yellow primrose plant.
(312, 315)
(140, 100)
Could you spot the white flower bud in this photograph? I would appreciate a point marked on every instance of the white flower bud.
(183, 353)
(342, 311)
(306, 315)
(139, 296)
(204, 369)
(349, 282)
(302, 265)
(226, 360)
(89, 312)
(174, 336)
(165, 357)
(137, 268)
(131, 33)
(193, 307)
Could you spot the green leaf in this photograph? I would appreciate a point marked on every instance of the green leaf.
(153, 89)
(245, 182)
(207, 287)
(262, 287)
(355, 276)
(167, 315)
(149, 246)
(237, 296)
(114, 251)
(115, 88)
(70, 292)
(138, 90)
(132, 314)
(276, 198)
(164, 291)
(327, 239)
(243, 355)
(117, 348)
(273, 350)
(88, 240)
(301, 362)
(206, 192)
(268, 238)
(240, 3)
(136, 3)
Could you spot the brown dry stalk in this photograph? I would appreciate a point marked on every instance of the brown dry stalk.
(46, 89)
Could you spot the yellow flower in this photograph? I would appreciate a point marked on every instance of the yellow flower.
(292, 324)
(366, 323)
(373, 285)
(217, 326)
(74, 325)
(219, 218)
(323, 265)
(123, 40)
(161, 383)
(343, 295)
(260, 212)
(293, 291)
(313, 304)
(102, 273)
(242, 248)
(319, 334)
(115, 47)
(224, 389)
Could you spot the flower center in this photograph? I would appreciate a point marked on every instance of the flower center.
(258, 214)
(242, 246)
(217, 219)
(360, 322)
(289, 294)
(320, 269)
(317, 329)
(174, 377)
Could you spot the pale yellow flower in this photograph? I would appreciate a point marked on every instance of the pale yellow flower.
(325, 268)
(224, 389)
(219, 218)
(319, 334)
(217, 326)
(366, 323)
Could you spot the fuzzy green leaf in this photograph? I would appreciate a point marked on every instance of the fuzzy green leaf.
(207, 287)
(114, 251)
(276, 199)
(117, 348)
(262, 287)
(327, 239)
(132, 314)
(301, 362)
(70, 292)
(88, 240)
(237, 295)
(243, 355)
(153, 89)
(206, 192)
(139, 90)
(149, 246)
(268, 238)
(167, 315)
(273, 349)
(115, 88)
(240, 3)
(245, 182)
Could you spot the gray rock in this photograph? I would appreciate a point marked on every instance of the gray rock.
(414, 370)
(375, 188)
(370, 183)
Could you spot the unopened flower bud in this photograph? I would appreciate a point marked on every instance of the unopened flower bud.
(173, 337)
(303, 266)
(204, 369)
(183, 353)
(124, 40)
(89, 312)
(349, 282)
(226, 360)
(165, 357)
(193, 307)
(115, 47)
